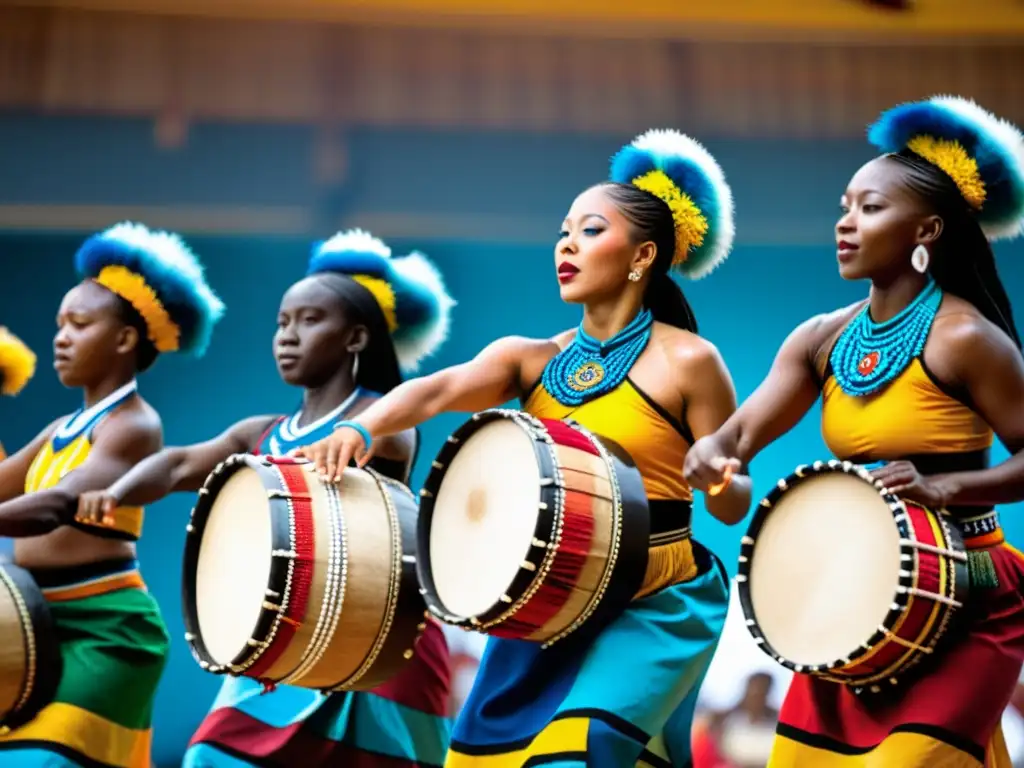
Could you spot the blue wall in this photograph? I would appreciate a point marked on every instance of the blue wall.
(786, 193)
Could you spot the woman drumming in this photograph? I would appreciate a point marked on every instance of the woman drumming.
(342, 334)
(17, 367)
(605, 700)
(142, 294)
(919, 375)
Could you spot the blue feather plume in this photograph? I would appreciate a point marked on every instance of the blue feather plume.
(696, 173)
(169, 267)
(995, 144)
(422, 303)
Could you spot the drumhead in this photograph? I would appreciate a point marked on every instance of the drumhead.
(824, 569)
(233, 568)
(484, 518)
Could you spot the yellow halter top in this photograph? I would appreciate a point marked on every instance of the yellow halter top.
(915, 415)
(68, 448)
(657, 442)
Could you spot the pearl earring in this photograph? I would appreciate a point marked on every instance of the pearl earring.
(355, 366)
(920, 259)
(635, 275)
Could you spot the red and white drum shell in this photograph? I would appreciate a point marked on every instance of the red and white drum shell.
(288, 579)
(841, 579)
(531, 528)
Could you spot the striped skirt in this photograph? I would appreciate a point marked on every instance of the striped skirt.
(401, 724)
(624, 698)
(946, 718)
(114, 647)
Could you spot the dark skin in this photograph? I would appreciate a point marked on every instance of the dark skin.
(677, 369)
(314, 346)
(884, 221)
(94, 350)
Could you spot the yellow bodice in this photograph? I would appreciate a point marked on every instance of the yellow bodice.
(68, 448)
(657, 443)
(912, 416)
(630, 418)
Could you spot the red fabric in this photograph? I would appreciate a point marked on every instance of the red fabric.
(963, 696)
(302, 573)
(425, 682)
(293, 745)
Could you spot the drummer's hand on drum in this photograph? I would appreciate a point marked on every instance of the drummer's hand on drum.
(902, 479)
(97, 507)
(332, 454)
(707, 469)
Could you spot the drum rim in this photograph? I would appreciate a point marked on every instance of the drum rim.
(279, 581)
(541, 551)
(43, 661)
(897, 508)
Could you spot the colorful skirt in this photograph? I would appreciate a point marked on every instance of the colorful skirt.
(401, 724)
(946, 718)
(114, 647)
(625, 697)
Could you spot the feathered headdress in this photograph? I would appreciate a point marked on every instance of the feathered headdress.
(409, 290)
(157, 274)
(981, 153)
(17, 363)
(677, 169)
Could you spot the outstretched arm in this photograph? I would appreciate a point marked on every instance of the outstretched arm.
(488, 380)
(125, 438)
(775, 407)
(710, 401)
(172, 469)
(14, 468)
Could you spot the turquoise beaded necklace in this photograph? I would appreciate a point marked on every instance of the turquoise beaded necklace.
(869, 355)
(588, 368)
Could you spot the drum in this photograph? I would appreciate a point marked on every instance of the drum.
(291, 580)
(30, 660)
(530, 528)
(840, 579)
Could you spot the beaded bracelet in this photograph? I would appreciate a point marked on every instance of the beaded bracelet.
(363, 431)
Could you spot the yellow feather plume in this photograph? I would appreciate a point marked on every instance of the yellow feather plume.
(17, 363)
(691, 224)
(952, 158)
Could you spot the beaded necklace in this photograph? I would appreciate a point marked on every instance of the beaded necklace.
(588, 368)
(869, 355)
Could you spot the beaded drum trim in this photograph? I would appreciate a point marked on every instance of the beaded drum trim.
(953, 583)
(394, 578)
(28, 685)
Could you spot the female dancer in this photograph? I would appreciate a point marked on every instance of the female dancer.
(637, 353)
(342, 333)
(17, 367)
(919, 375)
(142, 294)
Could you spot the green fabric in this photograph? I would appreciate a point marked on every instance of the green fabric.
(114, 648)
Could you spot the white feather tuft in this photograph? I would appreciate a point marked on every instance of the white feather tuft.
(1004, 133)
(166, 247)
(670, 142)
(418, 269)
(356, 241)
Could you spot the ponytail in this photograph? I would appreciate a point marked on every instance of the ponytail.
(667, 303)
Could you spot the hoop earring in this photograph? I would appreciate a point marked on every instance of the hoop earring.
(920, 259)
(635, 275)
(355, 366)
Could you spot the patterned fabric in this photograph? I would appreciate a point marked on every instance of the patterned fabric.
(114, 647)
(624, 698)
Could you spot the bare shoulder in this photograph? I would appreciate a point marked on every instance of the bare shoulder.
(135, 423)
(965, 338)
(684, 349)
